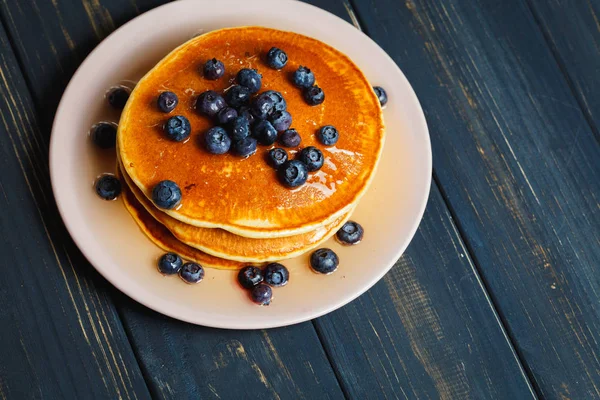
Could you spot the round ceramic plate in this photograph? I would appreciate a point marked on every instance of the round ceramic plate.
(390, 211)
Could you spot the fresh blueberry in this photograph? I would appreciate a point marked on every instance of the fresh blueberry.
(118, 96)
(226, 115)
(239, 128)
(262, 294)
(167, 101)
(324, 261)
(328, 135)
(281, 120)
(350, 233)
(238, 96)
(210, 103)
(290, 138)
(191, 272)
(108, 187)
(381, 95)
(262, 106)
(245, 147)
(178, 128)
(250, 78)
(303, 77)
(166, 194)
(293, 173)
(276, 275)
(245, 111)
(276, 157)
(104, 135)
(314, 95)
(264, 132)
(213, 69)
(276, 58)
(169, 264)
(280, 104)
(217, 141)
(312, 157)
(250, 276)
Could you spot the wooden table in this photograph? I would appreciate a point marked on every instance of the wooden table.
(496, 297)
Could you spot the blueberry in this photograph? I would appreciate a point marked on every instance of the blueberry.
(276, 275)
(226, 115)
(281, 120)
(210, 103)
(245, 147)
(262, 294)
(191, 272)
(290, 138)
(250, 78)
(264, 132)
(328, 135)
(239, 129)
(276, 157)
(166, 194)
(244, 111)
(350, 233)
(108, 187)
(213, 69)
(276, 58)
(238, 96)
(381, 95)
(178, 128)
(324, 261)
(262, 106)
(303, 77)
(167, 101)
(104, 135)
(169, 264)
(118, 96)
(293, 173)
(217, 141)
(280, 104)
(314, 95)
(312, 157)
(250, 276)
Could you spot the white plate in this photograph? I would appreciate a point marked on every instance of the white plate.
(112, 242)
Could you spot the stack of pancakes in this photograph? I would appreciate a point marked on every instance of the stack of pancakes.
(234, 211)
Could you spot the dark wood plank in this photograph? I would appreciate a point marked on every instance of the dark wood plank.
(520, 168)
(60, 335)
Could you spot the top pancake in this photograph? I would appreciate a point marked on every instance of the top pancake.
(244, 196)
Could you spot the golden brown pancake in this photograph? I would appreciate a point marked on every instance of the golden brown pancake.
(244, 196)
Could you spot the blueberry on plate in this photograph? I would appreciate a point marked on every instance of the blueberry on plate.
(191, 272)
(250, 276)
(239, 128)
(324, 261)
(108, 187)
(249, 78)
(277, 157)
(281, 120)
(167, 101)
(350, 233)
(381, 95)
(280, 103)
(276, 275)
(293, 173)
(264, 132)
(210, 103)
(303, 77)
(262, 294)
(166, 195)
(104, 135)
(328, 135)
(217, 141)
(245, 147)
(276, 58)
(312, 157)
(226, 115)
(118, 96)
(238, 96)
(178, 128)
(169, 264)
(245, 111)
(290, 138)
(213, 69)
(314, 95)
(262, 106)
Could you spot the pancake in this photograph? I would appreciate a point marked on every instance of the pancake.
(243, 196)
